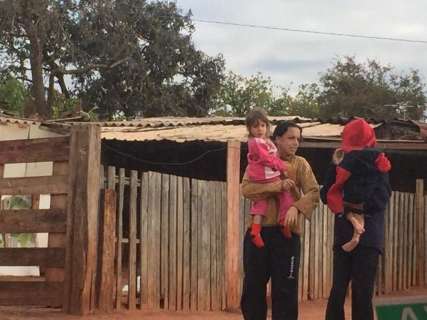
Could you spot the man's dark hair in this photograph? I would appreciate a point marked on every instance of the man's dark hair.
(283, 127)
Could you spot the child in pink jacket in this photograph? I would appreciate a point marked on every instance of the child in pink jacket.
(264, 166)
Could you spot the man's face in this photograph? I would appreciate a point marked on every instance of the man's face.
(288, 143)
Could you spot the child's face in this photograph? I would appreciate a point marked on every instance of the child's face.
(259, 129)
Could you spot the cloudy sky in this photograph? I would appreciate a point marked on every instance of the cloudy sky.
(291, 58)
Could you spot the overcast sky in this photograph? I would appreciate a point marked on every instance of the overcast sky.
(291, 58)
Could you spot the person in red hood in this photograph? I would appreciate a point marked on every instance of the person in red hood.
(357, 162)
(357, 190)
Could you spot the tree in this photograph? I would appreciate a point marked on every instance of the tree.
(369, 90)
(239, 94)
(129, 56)
(13, 95)
(305, 103)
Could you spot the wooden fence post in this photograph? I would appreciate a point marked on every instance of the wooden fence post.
(82, 219)
(107, 252)
(419, 211)
(233, 232)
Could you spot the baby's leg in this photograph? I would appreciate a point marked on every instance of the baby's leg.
(352, 244)
(258, 210)
(285, 202)
(358, 222)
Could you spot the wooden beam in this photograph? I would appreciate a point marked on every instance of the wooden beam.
(50, 257)
(34, 185)
(119, 236)
(28, 293)
(29, 221)
(34, 150)
(82, 219)
(420, 232)
(58, 239)
(132, 240)
(107, 252)
(313, 143)
(232, 239)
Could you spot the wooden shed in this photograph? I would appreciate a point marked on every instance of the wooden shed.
(171, 221)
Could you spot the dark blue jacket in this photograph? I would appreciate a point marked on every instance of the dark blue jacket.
(373, 189)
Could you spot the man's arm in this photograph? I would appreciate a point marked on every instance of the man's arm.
(258, 191)
(310, 188)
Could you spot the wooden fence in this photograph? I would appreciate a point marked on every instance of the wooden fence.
(47, 289)
(68, 264)
(171, 235)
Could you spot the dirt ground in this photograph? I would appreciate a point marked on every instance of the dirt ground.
(309, 310)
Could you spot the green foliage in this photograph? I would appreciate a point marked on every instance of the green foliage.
(305, 103)
(370, 90)
(13, 95)
(62, 104)
(239, 94)
(123, 56)
(19, 202)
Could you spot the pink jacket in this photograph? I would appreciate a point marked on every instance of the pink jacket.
(263, 161)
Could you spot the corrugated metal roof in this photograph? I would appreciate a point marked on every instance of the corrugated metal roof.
(6, 119)
(211, 132)
(182, 129)
(157, 122)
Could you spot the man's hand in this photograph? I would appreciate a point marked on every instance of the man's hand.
(291, 217)
(288, 185)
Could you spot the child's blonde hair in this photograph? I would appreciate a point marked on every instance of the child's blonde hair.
(256, 115)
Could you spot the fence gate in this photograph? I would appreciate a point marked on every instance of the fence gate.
(67, 262)
(20, 220)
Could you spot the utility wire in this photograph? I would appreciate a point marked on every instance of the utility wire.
(130, 156)
(336, 34)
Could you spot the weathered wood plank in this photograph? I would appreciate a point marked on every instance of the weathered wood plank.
(194, 244)
(155, 208)
(410, 251)
(316, 252)
(203, 281)
(222, 243)
(420, 207)
(404, 239)
(29, 221)
(107, 253)
(82, 219)
(34, 150)
(172, 243)
(388, 248)
(164, 276)
(47, 257)
(306, 266)
(300, 277)
(119, 237)
(232, 243)
(213, 212)
(325, 252)
(132, 240)
(144, 227)
(179, 243)
(395, 243)
(34, 185)
(57, 239)
(187, 245)
(31, 293)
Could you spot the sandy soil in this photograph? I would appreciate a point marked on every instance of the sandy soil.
(309, 310)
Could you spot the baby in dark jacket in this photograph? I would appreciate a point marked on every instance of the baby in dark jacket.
(358, 166)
